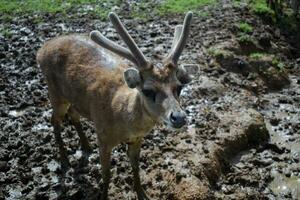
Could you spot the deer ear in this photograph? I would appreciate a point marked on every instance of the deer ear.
(132, 77)
(186, 73)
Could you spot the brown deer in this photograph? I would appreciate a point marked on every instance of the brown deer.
(88, 77)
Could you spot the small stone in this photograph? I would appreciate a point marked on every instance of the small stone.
(3, 166)
(274, 121)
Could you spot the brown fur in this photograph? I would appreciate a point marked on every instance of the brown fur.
(75, 74)
(85, 79)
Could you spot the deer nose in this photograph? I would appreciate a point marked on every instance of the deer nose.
(177, 119)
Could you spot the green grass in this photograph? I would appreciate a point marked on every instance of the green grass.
(276, 62)
(245, 38)
(219, 52)
(6, 33)
(139, 11)
(9, 9)
(245, 27)
(215, 52)
(182, 6)
(258, 56)
(236, 3)
(261, 7)
(32, 6)
(17, 7)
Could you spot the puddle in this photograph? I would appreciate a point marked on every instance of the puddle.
(280, 167)
(284, 136)
(15, 193)
(78, 154)
(36, 170)
(40, 127)
(16, 113)
(281, 184)
(53, 166)
(284, 185)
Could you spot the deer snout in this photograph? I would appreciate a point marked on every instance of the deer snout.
(177, 118)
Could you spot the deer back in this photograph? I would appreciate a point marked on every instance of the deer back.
(79, 71)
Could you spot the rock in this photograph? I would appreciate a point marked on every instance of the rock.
(191, 189)
(3, 166)
(247, 128)
(210, 87)
(265, 40)
(275, 79)
(274, 121)
(76, 194)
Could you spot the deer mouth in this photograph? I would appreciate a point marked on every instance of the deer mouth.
(169, 124)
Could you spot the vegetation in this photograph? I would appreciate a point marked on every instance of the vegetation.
(215, 52)
(258, 56)
(6, 32)
(219, 52)
(276, 62)
(261, 7)
(245, 38)
(182, 6)
(139, 11)
(15, 7)
(245, 30)
(100, 8)
(245, 27)
(279, 12)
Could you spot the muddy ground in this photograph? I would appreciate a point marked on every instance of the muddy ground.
(243, 136)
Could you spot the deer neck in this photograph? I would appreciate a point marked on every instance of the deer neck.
(129, 104)
(140, 112)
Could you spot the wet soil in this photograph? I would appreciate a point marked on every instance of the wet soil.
(242, 140)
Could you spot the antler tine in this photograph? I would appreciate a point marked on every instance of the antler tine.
(100, 39)
(177, 33)
(178, 48)
(139, 56)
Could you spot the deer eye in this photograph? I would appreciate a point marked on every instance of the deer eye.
(178, 89)
(150, 94)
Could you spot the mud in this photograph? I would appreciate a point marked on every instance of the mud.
(242, 140)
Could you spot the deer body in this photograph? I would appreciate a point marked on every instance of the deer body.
(87, 77)
(90, 79)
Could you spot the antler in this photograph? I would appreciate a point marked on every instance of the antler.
(128, 40)
(179, 42)
(134, 55)
(177, 33)
(100, 39)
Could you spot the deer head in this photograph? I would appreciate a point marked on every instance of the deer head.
(158, 87)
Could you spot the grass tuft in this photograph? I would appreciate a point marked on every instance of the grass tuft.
(276, 62)
(182, 6)
(245, 38)
(261, 7)
(245, 27)
(258, 56)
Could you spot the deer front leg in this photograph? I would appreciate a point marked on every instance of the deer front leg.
(134, 156)
(105, 152)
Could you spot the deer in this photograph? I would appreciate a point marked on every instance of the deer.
(122, 92)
